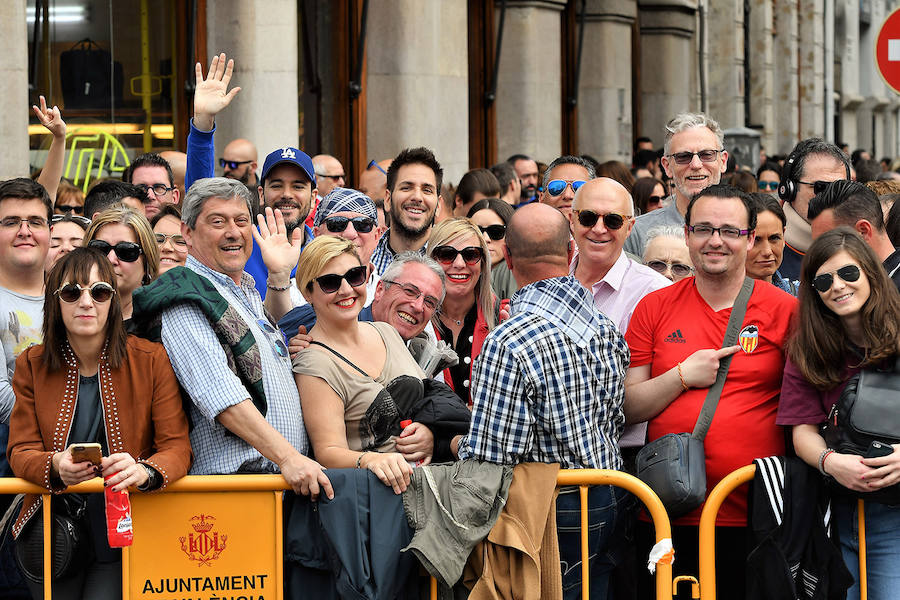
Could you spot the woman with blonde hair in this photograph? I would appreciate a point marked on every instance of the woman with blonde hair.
(468, 312)
(126, 238)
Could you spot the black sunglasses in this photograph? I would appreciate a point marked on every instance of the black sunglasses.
(71, 292)
(495, 232)
(126, 251)
(339, 224)
(589, 218)
(678, 269)
(817, 186)
(66, 208)
(233, 164)
(447, 254)
(331, 282)
(823, 282)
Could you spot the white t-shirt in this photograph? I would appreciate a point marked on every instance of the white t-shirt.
(21, 320)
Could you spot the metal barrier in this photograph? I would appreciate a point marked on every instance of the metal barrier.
(584, 478)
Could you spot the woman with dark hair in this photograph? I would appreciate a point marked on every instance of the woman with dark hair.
(66, 234)
(764, 258)
(848, 319)
(173, 248)
(742, 180)
(89, 382)
(768, 177)
(617, 170)
(648, 194)
(492, 216)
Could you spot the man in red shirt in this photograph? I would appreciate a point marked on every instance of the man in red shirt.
(675, 336)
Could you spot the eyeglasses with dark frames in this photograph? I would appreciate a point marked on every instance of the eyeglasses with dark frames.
(158, 189)
(726, 233)
(684, 158)
(16, 222)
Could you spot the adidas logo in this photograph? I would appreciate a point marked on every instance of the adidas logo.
(675, 337)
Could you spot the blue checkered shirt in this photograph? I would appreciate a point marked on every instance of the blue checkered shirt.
(202, 369)
(549, 383)
(383, 256)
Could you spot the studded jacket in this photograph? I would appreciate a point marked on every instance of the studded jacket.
(142, 408)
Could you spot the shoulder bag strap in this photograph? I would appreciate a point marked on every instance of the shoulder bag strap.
(731, 334)
(342, 357)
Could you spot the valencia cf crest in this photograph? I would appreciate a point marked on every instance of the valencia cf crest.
(749, 338)
(205, 544)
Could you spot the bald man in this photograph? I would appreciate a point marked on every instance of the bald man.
(548, 387)
(329, 173)
(239, 162)
(178, 162)
(373, 183)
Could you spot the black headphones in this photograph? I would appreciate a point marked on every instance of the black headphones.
(787, 190)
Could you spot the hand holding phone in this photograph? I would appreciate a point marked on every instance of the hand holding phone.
(877, 449)
(86, 452)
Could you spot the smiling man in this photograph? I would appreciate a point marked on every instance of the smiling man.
(562, 179)
(694, 158)
(413, 184)
(675, 336)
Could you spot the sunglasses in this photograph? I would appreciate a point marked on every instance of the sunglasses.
(331, 282)
(447, 254)
(589, 218)
(339, 224)
(177, 239)
(823, 282)
(678, 269)
(71, 292)
(684, 158)
(655, 200)
(495, 232)
(278, 337)
(556, 187)
(126, 251)
(767, 186)
(70, 209)
(233, 164)
(82, 221)
(817, 186)
(372, 163)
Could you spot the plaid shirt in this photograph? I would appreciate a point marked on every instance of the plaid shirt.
(383, 256)
(549, 383)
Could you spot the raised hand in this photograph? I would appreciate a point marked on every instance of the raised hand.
(211, 94)
(279, 253)
(50, 118)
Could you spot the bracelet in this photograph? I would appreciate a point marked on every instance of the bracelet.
(278, 288)
(684, 384)
(822, 458)
(359, 459)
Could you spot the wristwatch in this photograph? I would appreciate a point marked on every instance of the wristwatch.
(152, 482)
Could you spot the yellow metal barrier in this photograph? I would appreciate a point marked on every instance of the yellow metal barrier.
(584, 478)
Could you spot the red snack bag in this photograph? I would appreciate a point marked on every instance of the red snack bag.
(118, 518)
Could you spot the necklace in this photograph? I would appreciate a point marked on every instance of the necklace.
(457, 321)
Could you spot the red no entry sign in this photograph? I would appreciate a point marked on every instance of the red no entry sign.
(887, 50)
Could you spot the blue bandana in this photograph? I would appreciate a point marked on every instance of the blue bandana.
(345, 200)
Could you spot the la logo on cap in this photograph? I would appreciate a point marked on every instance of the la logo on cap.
(288, 153)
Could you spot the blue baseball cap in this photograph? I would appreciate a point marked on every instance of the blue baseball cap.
(292, 156)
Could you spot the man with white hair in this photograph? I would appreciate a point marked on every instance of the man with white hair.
(694, 158)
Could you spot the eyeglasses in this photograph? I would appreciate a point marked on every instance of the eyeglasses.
(177, 239)
(556, 187)
(770, 186)
(655, 200)
(447, 254)
(233, 164)
(277, 337)
(726, 233)
(413, 293)
(16, 222)
(331, 282)
(817, 186)
(335, 177)
(83, 221)
(158, 189)
(684, 158)
(823, 282)
(339, 224)
(589, 218)
(372, 163)
(71, 292)
(678, 269)
(495, 232)
(66, 208)
(126, 251)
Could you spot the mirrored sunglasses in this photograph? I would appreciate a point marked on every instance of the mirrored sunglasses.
(556, 187)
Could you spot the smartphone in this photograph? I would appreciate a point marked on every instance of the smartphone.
(877, 449)
(86, 452)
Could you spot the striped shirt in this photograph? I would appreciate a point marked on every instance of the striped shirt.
(383, 255)
(550, 382)
(202, 369)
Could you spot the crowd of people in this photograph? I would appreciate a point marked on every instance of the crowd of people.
(565, 313)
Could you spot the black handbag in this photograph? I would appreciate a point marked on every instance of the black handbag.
(89, 77)
(71, 547)
(674, 466)
(868, 410)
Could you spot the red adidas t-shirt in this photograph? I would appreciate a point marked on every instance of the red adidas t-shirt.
(669, 325)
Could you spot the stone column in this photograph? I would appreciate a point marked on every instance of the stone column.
(786, 87)
(812, 68)
(529, 93)
(604, 90)
(669, 63)
(725, 31)
(763, 84)
(261, 35)
(417, 93)
(847, 53)
(14, 74)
